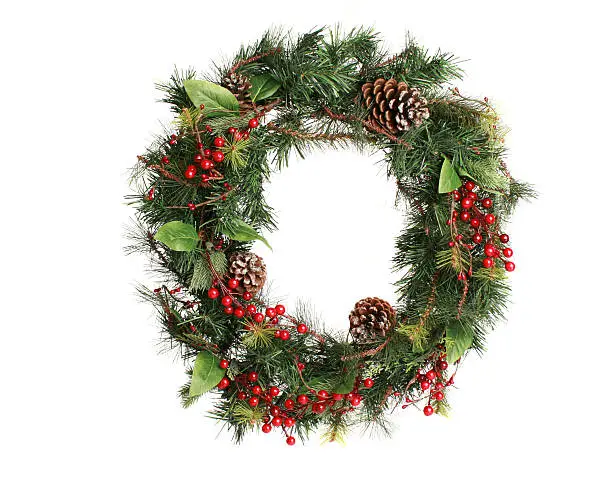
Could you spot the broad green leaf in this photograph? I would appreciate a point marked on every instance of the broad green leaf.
(206, 374)
(449, 180)
(263, 86)
(347, 383)
(243, 232)
(217, 100)
(459, 337)
(178, 236)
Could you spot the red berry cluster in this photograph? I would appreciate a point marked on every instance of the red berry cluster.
(480, 224)
(431, 383)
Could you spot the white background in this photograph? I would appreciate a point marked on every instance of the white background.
(84, 388)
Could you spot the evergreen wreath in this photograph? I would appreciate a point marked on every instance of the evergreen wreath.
(199, 193)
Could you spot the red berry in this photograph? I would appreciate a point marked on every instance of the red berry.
(219, 142)
(451, 244)
(191, 206)
(270, 312)
(302, 399)
(302, 328)
(256, 389)
(466, 203)
(489, 250)
(242, 395)
(487, 203)
(443, 365)
(274, 321)
(465, 216)
(253, 376)
(301, 366)
(254, 401)
(318, 408)
(226, 300)
(469, 185)
(232, 283)
(207, 165)
(507, 252)
(224, 364)
(289, 422)
(258, 317)
(207, 152)
(266, 428)
(431, 375)
(224, 383)
(199, 145)
(461, 276)
(165, 160)
(472, 195)
(274, 391)
(252, 309)
(213, 293)
(285, 335)
(504, 238)
(428, 410)
(197, 157)
(368, 383)
(323, 394)
(290, 440)
(425, 385)
(487, 262)
(337, 397)
(218, 156)
(438, 396)
(247, 296)
(477, 238)
(280, 310)
(275, 410)
(239, 312)
(191, 171)
(289, 404)
(489, 219)
(509, 266)
(253, 123)
(277, 421)
(475, 223)
(356, 400)
(277, 334)
(228, 310)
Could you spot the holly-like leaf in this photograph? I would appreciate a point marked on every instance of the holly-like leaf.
(347, 383)
(217, 100)
(459, 337)
(178, 236)
(263, 86)
(243, 232)
(206, 374)
(449, 179)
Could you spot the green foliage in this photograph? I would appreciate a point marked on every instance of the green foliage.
(306, 89)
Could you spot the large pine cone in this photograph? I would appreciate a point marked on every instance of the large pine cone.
(371, 318)
(239, 85)
(394, 106)
(250, 271)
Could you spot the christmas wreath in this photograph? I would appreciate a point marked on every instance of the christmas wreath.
(199, 193)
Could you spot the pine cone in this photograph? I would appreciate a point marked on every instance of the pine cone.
(239, 85)
(394, 106)
(250, 271)
(371, 318)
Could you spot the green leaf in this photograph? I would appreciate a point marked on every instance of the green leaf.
(206, 374)
(345, 386)
(449, 180)
(217, 100)
(263, 86)
(243, 232)
(178, 236)
(459, 337)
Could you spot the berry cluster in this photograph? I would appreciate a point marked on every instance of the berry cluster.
(480, 225)
(431, 382)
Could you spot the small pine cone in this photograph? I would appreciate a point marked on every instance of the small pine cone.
(371, 318)
(394, 106)
(239, 85)
(250, 271)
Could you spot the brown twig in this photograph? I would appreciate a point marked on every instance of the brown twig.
(253, 59)
(462, 300)
(305, 135)
(368, 125)
(369, 352)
